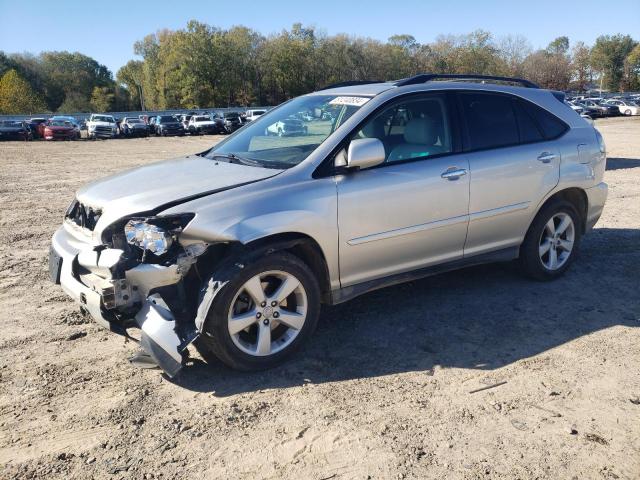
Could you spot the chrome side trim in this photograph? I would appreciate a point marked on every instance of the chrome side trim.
(498, 211)
(409, 230)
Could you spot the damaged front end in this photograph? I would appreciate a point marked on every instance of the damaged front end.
(140, 276)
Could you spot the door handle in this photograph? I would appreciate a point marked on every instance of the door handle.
(546, 157)
(453, 173)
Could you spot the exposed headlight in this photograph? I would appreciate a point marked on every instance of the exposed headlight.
(148, 237)
(155, 234)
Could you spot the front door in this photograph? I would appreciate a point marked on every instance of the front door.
(412, 210)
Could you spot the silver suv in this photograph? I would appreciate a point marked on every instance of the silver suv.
(237, 247)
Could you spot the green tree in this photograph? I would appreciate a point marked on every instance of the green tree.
(608, 58)
(102, 99)
(17, 96)
(560, 46)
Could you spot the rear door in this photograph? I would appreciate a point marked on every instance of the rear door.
(513, 165)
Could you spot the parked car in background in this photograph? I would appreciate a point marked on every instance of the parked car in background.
(102, 126)
(232, 121)
(596, 109)
(202, 124)
(37, 126)
(184, 119)
(72, 120)
(15, 130)
(61, 129)
(287, 127)
(168, 125)
(626, 107)
(153, 122)
(134, 127)
(254, 114)
(579, 109)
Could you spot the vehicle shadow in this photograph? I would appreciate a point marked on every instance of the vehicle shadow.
(617, 163)
(480, 318)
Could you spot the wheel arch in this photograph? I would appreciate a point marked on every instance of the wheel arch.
(299, 244)
(574, 195)
(302, 246)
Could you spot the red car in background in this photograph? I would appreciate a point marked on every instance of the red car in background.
(60, 130)
(38, 125)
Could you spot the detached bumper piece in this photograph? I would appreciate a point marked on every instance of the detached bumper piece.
(159, 338)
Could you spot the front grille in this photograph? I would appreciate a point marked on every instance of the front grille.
(102, 130)
(83, 216)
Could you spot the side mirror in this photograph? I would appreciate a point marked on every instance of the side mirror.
(365, 153)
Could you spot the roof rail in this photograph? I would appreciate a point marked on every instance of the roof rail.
(350, 83)
(428, 77)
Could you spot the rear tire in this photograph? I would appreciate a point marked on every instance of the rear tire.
(241, 349)
(552, 242)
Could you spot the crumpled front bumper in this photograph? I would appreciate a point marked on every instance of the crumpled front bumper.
(84, 272)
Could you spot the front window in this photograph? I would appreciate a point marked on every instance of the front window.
(286, 136)
(411, 128)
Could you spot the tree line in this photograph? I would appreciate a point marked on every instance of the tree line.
(205, 66)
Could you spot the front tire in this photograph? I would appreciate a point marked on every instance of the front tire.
(552, 242)
(263, 314)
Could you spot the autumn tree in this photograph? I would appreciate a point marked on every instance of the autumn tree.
(17, 96)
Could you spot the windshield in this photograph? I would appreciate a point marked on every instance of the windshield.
(103, 118)
(284, 137)
(133, 120)
(201, 119)
(60, 123)
(231, 115)
(10, 123)
(166, 119)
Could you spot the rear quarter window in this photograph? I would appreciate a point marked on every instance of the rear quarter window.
(552, 127)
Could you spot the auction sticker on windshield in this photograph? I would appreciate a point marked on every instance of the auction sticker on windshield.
(353, 101)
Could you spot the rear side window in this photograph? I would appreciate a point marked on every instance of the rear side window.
(490, 119)
(529, 129)
(552, 127)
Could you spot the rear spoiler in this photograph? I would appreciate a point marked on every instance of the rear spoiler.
(559, 95)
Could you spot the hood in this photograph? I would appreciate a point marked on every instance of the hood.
(160, 185)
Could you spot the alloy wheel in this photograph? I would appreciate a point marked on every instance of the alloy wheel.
(267, 313)
(557, 241)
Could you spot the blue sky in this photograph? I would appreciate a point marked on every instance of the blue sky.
(107, 31)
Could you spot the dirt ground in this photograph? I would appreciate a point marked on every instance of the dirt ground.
(385, 388)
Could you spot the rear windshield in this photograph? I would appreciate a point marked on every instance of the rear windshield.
(166, 119)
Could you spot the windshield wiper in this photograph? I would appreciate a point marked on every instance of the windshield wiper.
(233, 158)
